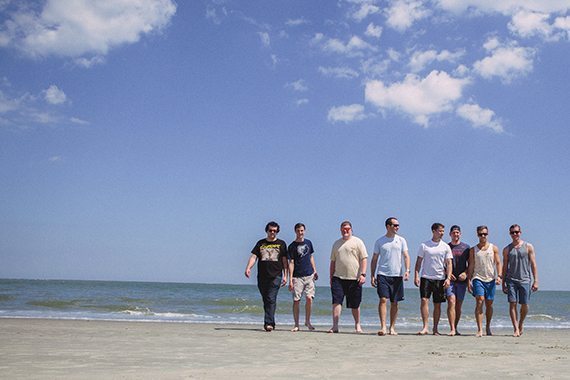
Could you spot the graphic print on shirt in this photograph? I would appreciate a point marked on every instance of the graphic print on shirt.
(302, 250)
(269, 252)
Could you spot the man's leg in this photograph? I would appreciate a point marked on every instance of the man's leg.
(514, 318)
(489, 315)
(356, 316)
(308, 306)
(436, 316)
(524, 312)
(296, 315)
(382, 313)
(458, 306)
(479, 314)
(336, 310)
(272, 291)
(424, 310)
(393, 316)
(451, 317)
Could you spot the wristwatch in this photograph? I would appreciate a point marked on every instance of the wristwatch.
(363, 274)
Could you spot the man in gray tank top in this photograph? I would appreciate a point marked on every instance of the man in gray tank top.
(519, 262)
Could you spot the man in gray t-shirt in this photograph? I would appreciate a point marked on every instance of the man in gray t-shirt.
(386, 272)
(519, 260)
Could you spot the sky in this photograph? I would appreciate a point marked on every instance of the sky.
(152, 140)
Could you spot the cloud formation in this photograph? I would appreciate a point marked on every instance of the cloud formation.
(53, 95)
(419, 98)
(403, 13)
(346, 114)
(506, 62)
(480, 117)
(83, 27)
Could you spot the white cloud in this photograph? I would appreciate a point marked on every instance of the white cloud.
(563, 23)
(338, 72)
(296, 22)
(506, 62)
(301, 102)
(354, 47)
(53, 95)
(365, 10)
(76, 120)
(346, 114)
(480, 117)
(528, 24)
(420, 98)
(298, 85)
(216, 15)
(373, 30)
(420, 59)
(403, 13)
(265, 40)
(84, 27)
(89, 62)
(506, 7)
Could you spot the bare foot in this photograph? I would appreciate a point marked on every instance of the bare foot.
(457, 332)
(295, 329)
(332, 331)
(268, 328)
(309, 326)
(436, 333)
(479, 334)
(489, 333)
(393, 331)
(516, 334)
(520, 330)
(422, 332)
(357, 328)
(382, 332)
(452, 333)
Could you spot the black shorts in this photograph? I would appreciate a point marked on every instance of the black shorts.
(390, 287)
(349, 288)
(435, 287)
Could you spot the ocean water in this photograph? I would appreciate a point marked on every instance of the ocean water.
(233, 304)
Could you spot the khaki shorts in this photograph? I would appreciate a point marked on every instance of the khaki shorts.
(303, 285)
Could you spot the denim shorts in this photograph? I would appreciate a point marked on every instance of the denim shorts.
(517, 292)
(486, 289)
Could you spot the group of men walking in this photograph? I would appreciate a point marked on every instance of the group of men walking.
(443, 272)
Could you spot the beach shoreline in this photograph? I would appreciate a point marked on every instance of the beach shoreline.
(51, 348)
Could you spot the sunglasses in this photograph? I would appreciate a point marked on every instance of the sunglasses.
(272, 230)
(395, 225)
(482, 234)
(515, 232)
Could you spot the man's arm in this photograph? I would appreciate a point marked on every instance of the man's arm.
(417, 271)
(362, 269)
(315, 275)
(505, 266)
(285, 269)
(532, 259)
(470, 268)
(291, 270)
(449, 272)
(407, 265)
(373, 264)
(331, 271)
(250, 264)
(499, 265)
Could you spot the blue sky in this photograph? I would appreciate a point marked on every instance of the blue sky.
(153, 140)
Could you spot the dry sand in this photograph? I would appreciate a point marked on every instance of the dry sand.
(50, 349)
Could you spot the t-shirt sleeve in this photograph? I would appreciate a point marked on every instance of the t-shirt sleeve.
(404, 245)
(376, 247)
(283, 250)
(362, 249)
(311, 250)
(421, 251)
(333, 252)
(448, 253)
(290, 251)
(256, 251)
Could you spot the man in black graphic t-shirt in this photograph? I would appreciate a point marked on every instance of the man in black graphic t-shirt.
(271, 256)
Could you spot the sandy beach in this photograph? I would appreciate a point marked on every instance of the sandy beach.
(40, 348)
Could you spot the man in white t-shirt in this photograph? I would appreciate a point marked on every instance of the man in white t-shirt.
(436, 263)
(386, 272)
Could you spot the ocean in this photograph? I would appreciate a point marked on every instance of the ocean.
(234, 304)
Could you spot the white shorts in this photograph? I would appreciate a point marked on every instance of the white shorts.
(303, 285)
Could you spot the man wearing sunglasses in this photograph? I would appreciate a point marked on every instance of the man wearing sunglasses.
(458, 286)
(271, 256)
(347, 275)
(519, 261)
(386, 274)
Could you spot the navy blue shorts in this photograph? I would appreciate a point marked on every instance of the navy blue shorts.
(435, 287)
(390, 287)
(349, 288)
